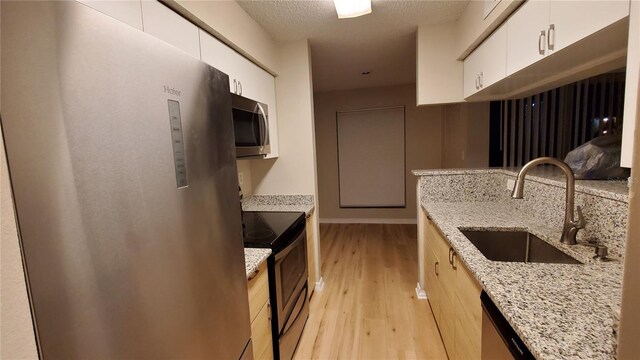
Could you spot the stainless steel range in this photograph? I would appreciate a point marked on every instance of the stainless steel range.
(284, 233)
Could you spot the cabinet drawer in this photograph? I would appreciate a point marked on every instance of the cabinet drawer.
(258, 291)
(261, 334)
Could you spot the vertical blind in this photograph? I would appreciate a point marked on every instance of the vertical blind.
(554, 122)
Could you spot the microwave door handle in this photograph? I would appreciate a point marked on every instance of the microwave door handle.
(263, 126)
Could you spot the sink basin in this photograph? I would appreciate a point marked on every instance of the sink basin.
(516, 246)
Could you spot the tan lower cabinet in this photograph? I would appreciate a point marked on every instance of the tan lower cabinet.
(260, 314)
(454, 296)
(432, 263)
(311, 254)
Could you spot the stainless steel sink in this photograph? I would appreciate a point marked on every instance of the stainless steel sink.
(516, 246)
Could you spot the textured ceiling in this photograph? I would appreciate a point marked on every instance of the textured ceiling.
(382, 42)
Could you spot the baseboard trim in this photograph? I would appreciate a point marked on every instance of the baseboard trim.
(319, 284)
(368, 221)
(420, 293)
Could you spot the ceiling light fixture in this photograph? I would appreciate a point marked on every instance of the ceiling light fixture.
(352, 8)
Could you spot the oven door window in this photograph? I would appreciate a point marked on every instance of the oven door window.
(247, 128)
(292, 268)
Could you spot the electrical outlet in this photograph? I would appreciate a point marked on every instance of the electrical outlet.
(511, 184)
(240, 178)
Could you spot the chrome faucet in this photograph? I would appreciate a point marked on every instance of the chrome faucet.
(571, 225)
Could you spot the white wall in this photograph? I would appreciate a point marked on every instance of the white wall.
(423, 129)
(233, 26)
(293, 172)
(438, 72)
(244, 171)
(466, 136)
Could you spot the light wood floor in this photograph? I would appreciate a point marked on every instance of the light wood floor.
(368, 308)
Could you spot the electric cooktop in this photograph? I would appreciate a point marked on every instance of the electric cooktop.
(273, 230)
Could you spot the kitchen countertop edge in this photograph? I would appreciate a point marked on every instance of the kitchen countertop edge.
(253, 259)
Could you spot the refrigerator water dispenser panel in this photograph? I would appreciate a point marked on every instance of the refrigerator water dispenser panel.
(178, 144)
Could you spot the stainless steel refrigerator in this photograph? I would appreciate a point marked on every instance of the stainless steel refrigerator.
(122, 163)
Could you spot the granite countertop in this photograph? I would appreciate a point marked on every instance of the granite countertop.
(560, 311)
(612, 189)
(286, 203)
(253, 258)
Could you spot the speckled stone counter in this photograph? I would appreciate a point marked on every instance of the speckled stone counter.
(301, 203)
(560, 311)
(614, 189)
(253, 258)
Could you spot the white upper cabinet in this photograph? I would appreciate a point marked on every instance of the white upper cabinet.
(487, 64)
(526, 35)
(571, 21)
(494, 58)
(221, 57)
(245, 78)
(163, 23)
(127, 11)
(472, 68)
(539, 28)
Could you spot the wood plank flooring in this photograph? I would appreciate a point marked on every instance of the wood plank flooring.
(368, 308)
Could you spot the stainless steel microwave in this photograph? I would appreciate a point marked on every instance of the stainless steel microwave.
(251, 127)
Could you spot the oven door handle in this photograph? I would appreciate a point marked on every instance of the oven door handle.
(287, 250)
(299, 306)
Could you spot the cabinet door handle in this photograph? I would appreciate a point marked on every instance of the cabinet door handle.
(240, 87)
(450, 257)
(435, 268)
(541, 39)
(481, 79)
(453, 257)
(551, 37)
(429, 217)
(235, 86)
(477, 82)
